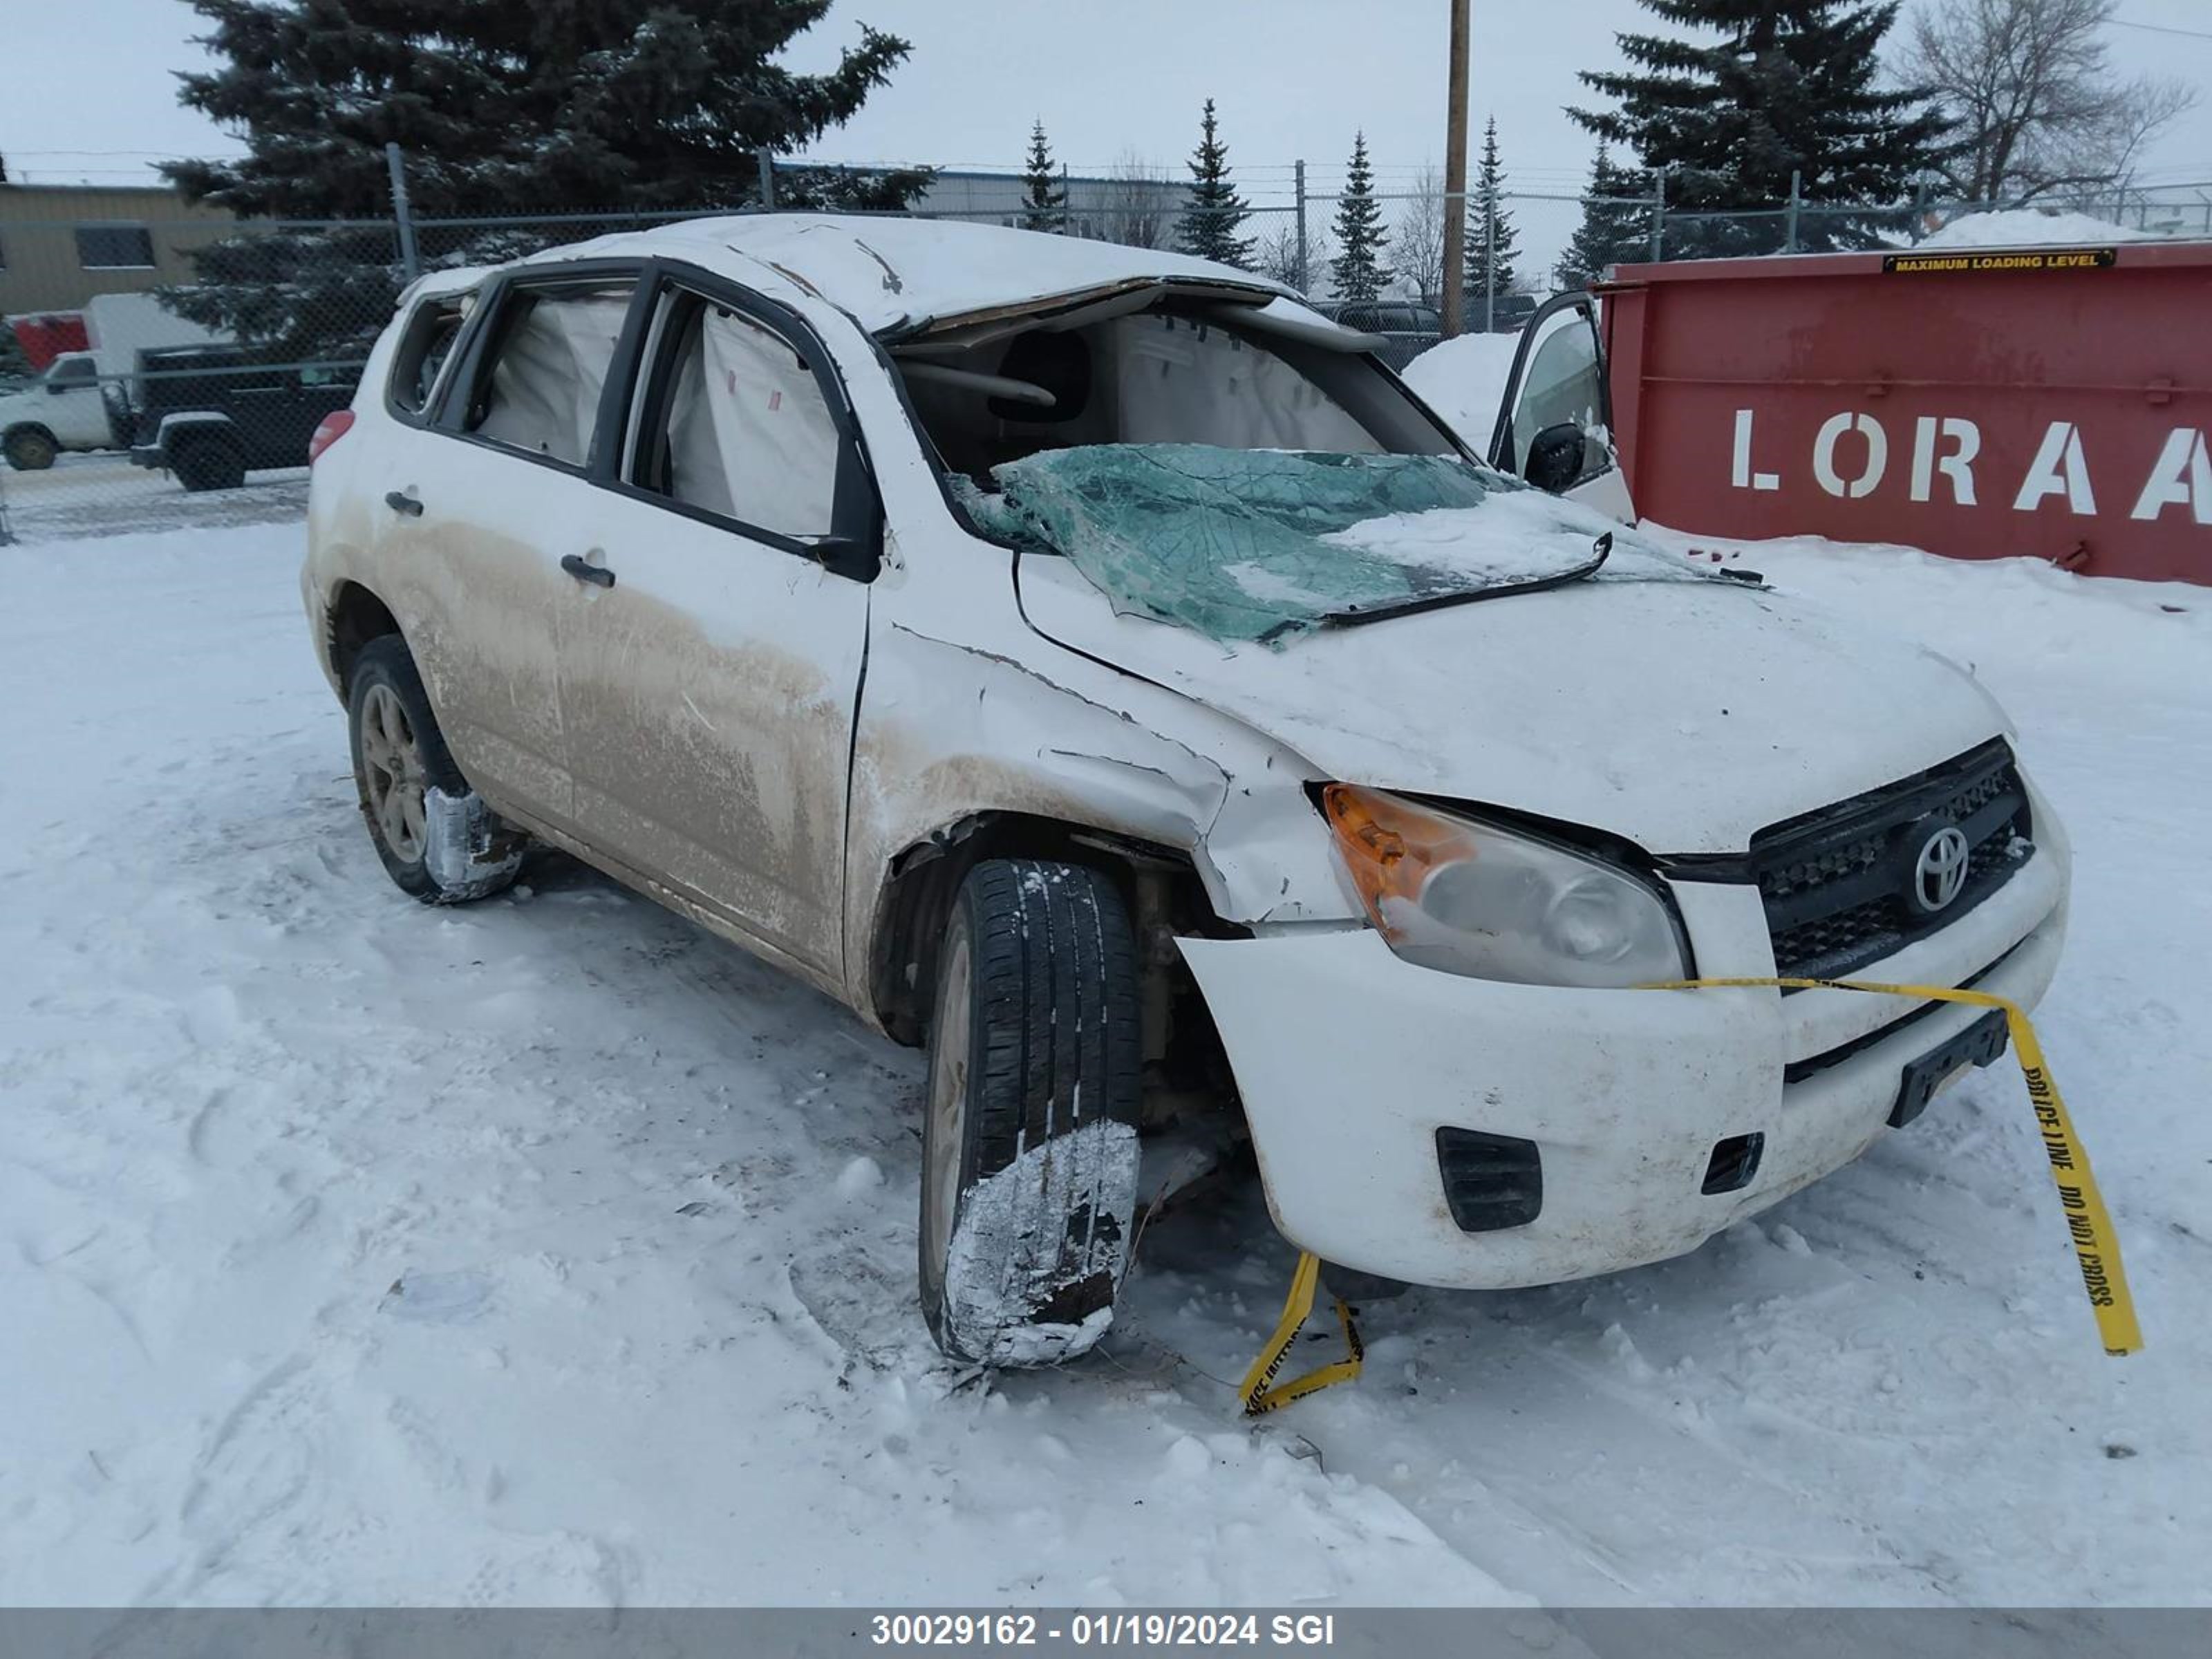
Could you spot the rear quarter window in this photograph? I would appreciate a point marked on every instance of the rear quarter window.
(424, 346)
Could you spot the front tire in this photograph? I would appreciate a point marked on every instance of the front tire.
(438, 840)
(30, 450)
(1030, 1148)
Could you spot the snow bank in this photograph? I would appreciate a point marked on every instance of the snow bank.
(2026, 227)
(1464, 381)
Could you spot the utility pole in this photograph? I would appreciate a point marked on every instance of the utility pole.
(402, 214)
(1304, 280)
(1455, 296)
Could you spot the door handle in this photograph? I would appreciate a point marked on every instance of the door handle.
(400, 502)
(584, 571)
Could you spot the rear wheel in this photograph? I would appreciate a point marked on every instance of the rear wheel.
(30, 450)
(437, 838)
(1030, 1148)
(207, 461)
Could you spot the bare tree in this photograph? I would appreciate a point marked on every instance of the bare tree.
(2039, 110)
(1418, 237)
(1139, 204)
(1275, 254)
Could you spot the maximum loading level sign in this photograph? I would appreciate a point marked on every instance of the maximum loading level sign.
(1969, 262)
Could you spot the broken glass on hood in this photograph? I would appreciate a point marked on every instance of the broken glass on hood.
(1267, 544)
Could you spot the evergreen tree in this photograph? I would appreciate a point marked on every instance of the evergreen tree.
(1357, 271)
(1215, 210)
(1791, 86)
(1044, 204)
(502, 107)
(1492, 244)
(1616, 227)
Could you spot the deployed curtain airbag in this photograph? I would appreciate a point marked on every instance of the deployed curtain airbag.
(546, 382)
(750, 434)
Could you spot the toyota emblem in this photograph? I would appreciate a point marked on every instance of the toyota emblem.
(1939, 872)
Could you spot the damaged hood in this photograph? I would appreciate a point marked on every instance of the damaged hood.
(1683, 716)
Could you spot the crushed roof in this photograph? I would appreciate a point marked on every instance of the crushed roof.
(892, 272)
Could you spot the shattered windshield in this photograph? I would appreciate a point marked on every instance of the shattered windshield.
(1267, 544)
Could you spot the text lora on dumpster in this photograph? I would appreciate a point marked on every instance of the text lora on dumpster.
(1854, 454)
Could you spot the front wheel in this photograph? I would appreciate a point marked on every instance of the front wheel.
(1030, 1149)
(30, 450)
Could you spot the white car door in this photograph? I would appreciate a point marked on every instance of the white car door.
(713, 638)
(1554, 428)
(475, 497)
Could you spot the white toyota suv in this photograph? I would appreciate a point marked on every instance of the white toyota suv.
(1093, 662)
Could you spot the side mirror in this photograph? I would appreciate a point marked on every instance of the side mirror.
(845, 556)
(1555, 458)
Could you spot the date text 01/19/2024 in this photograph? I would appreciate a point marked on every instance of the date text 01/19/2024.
(1104, 1629)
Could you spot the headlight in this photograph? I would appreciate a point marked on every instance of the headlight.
(1458, 894)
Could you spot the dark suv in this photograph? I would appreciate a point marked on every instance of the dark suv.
(1407, 327)
(211, 414)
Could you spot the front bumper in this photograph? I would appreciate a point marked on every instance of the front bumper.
(1350, 1060)
(150, 455)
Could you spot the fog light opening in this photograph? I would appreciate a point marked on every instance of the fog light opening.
(1733, 1162)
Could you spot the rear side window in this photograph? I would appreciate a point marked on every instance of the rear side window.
(552, 350)
(737, 425)
(423, 349)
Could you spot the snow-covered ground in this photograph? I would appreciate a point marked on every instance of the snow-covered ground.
(551, 1251)
(102, 494)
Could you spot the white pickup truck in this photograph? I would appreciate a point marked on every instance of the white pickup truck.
(60, 409)
(84, 400)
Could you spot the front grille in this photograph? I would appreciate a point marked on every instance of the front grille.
(1837, 884)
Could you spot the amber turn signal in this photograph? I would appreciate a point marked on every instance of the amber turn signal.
(1391, 847)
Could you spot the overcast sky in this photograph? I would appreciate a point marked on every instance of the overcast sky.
(1292, 78)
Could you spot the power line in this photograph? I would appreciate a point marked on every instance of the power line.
(2160, 28)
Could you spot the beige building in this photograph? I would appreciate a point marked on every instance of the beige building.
(61, 244)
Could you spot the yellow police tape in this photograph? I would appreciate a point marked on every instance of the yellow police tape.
(2096, 1245)
(1259, 1399)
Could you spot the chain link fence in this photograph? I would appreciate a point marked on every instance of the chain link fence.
(190, 402)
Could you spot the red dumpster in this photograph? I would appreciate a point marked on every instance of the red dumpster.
(2056, 401)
